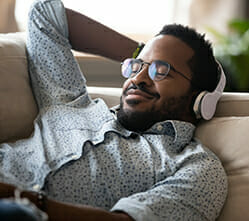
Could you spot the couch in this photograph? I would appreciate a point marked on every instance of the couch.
(227, 134)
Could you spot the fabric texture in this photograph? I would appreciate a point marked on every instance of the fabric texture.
(79, 153)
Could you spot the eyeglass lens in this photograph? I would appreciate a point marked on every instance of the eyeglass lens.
(157, 69)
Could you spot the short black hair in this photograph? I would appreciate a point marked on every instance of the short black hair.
(203, 64)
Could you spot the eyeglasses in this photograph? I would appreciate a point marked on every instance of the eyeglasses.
(158, 70)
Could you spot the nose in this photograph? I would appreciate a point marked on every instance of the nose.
(142, 77)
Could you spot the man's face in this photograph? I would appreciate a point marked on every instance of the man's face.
(144, 101)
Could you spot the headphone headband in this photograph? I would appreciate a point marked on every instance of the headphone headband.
(222, 82)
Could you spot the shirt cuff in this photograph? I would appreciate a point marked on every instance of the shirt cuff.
(135, 209)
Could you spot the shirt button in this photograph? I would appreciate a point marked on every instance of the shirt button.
(36, 187)
(159, 127)
(74, 157)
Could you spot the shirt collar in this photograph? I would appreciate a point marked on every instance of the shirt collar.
(174, 128)
(184, 131)
(181, 131)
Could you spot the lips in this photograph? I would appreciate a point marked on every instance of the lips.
(136, 93)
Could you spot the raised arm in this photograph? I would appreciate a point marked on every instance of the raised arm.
(52, 32)
(98, 39)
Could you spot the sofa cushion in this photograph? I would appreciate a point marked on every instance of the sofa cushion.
(228, 138)
(17, 105)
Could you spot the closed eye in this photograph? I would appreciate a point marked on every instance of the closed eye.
(159, 74)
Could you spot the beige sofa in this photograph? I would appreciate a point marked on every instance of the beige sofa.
(227, 134)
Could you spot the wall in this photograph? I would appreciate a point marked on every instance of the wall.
(100, 71)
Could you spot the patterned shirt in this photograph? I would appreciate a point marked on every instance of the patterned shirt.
(79, 153)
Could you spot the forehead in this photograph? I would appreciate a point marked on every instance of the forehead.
(167, 48)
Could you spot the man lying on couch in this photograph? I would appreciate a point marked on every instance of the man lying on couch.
(135, 162)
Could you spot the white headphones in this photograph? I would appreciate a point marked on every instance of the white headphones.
(205, 103)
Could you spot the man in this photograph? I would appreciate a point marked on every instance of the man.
(136, 162)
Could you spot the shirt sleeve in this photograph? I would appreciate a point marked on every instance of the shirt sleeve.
(196, 191)
(55, 74)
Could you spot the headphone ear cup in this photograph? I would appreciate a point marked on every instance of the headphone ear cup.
(205, 104)
(208, 105)
(197, 104)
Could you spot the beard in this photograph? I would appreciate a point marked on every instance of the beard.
(175, 108)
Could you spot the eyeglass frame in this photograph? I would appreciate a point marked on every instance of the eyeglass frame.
(141, 63)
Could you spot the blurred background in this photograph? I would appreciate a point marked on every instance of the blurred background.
(224, 22)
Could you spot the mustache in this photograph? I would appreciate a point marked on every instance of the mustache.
(141, 88)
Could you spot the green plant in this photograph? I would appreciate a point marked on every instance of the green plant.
(232, 51)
